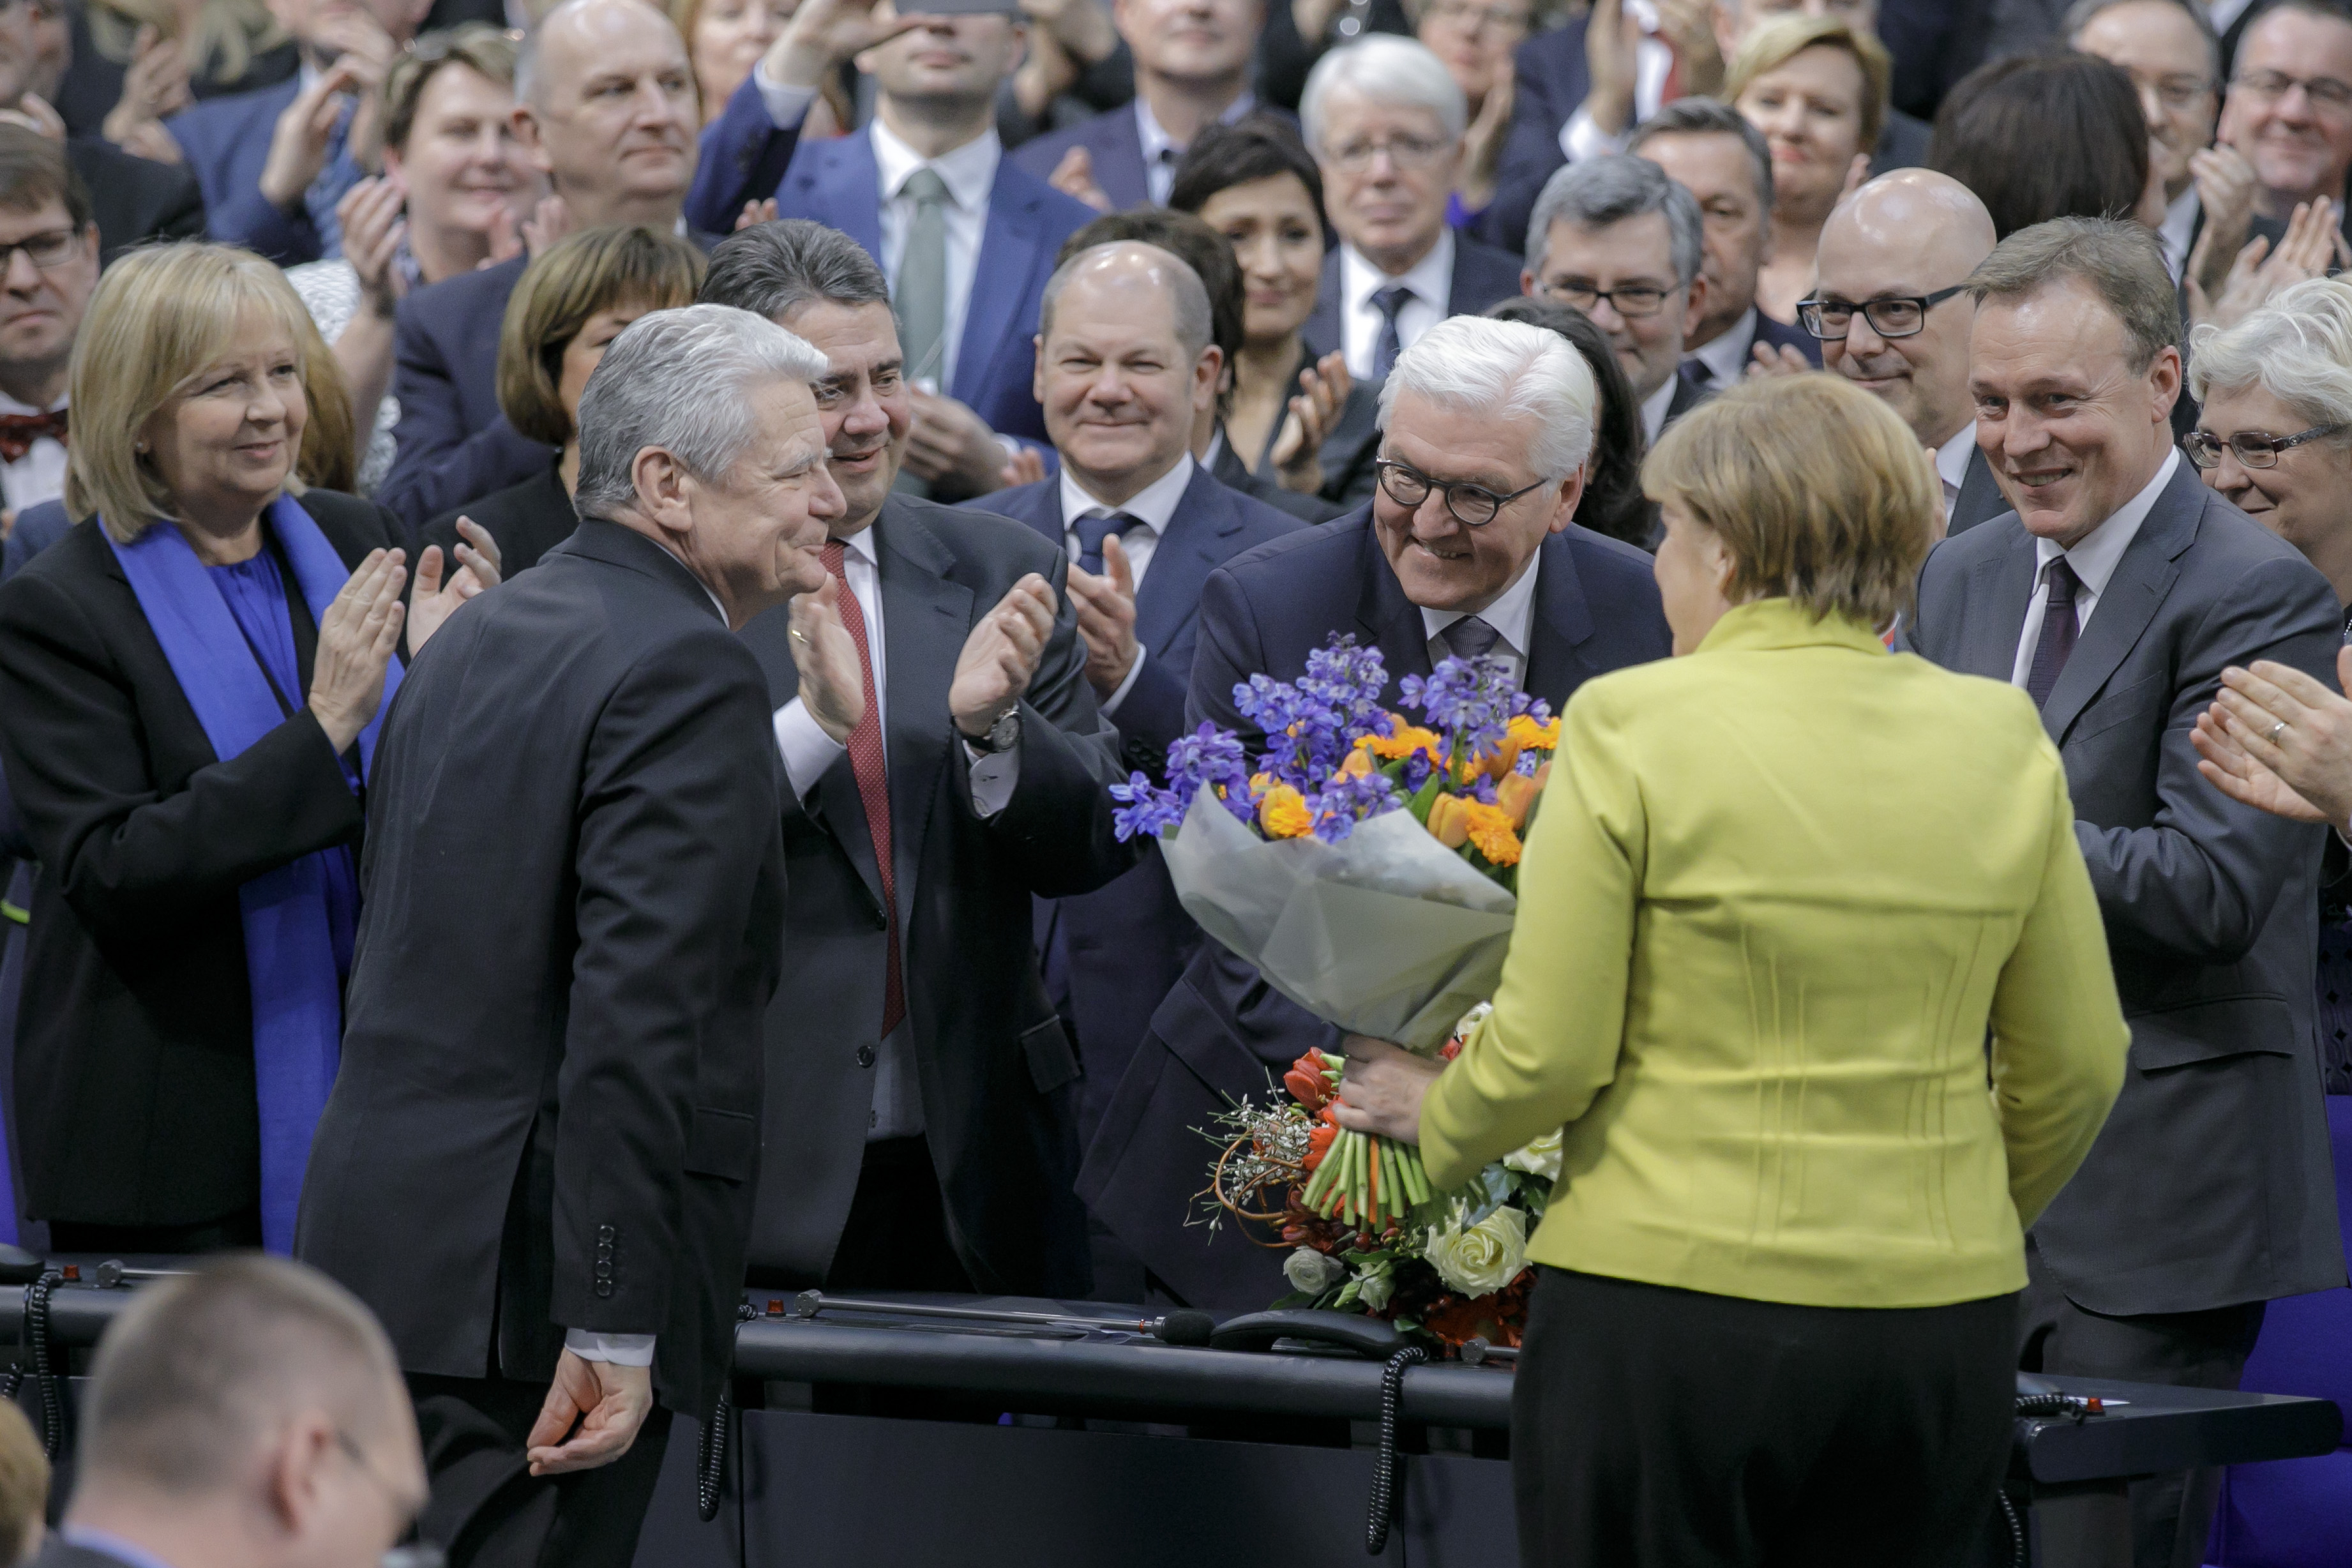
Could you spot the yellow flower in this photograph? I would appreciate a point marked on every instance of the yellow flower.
(1532, 736)
(1491, 832)
(1282, 811)
(1403, 742)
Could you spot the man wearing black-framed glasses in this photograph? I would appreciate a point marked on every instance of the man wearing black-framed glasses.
(1468, 547)
(1891, 318)
(2289, 107)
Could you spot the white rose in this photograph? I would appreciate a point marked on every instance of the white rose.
(1374, 1288)
(1540, 1158)
(1479, 1260)
(1312, 1271)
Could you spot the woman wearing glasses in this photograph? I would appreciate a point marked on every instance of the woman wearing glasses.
(2274, 435)
(1783, 891)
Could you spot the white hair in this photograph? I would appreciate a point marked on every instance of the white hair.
(1504, 371)
(2297, 348)
(1387, 70)
(681, 381)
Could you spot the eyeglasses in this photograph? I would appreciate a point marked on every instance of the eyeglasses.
(49, 249)
(1634, 301)
(2252, 449)
(1468, 14)
(2325, 92)
(1473, 506)
(1411, 153)
(1900, 316)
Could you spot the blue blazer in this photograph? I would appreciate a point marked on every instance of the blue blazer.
(39, 526)
(1482, 276)
(744, 157)
(1115, 142)
(1111, 954)
(454, 443)
(227, 140)
(835, 183)
(1221, 1030)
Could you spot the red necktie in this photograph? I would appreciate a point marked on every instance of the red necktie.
(873, 782)
(19, 431)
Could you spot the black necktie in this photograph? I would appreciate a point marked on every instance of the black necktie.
(1701, 372)
(1470, 637)
(1093, 529)
(2058, 630)
(1388, 301)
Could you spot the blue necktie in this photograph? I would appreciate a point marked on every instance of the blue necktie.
(1385, 349)
(1093, 529)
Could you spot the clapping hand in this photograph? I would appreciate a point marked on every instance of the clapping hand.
(1001, 656)
(951, 448)
(2225, 184)
(593, 1413)
(297, 144)
(434, 600)
(1613, 42)
(374, 226)
(2312, 241)
(1765, 360)
(1106, 606)
(2279, 740)
(1074, 176)
(1026, 467)
(357, 637)
(155, 85)
(832, 680)
(1383, 1088)
(1323, 389)
(549, 222)
(756, 212)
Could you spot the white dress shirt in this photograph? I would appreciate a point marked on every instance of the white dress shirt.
(2224, 13)
(1430, 280)
(1655, 409)
(2094, 560)
(1653, 61)
(1154, 506)
(2178, 231)
(1725, 356)
(1952, 463)
(1159, 150)
(40, 474)
(1512, 615)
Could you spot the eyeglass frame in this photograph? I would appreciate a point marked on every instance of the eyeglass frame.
(1383, 467)
(2339, 96)
(1561, 293)
(2274, 445)
(70, 237)
(1426, 153)
(1861, 308)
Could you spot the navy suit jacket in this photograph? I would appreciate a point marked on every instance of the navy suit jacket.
(1111, 954)
(454, 443)
(1222, 1033)
(1115, 142)
(37, 527)
(1482, 276)
(227, 140)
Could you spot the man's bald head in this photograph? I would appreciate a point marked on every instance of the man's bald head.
(1910, 235)
(1144, 274)
(1124, 364)
(605, 107)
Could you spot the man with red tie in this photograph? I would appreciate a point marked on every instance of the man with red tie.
(945, 764)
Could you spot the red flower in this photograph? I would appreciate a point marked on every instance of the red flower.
(1318, 1143)
(1449, 1050)
(1306, 1082)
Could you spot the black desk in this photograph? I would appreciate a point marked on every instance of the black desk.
(1144, 1455)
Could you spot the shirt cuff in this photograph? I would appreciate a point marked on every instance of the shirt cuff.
(1581, 137)
(621, 1350)
(787, 106)
(1110, 705)
(994, 775)
(807, 750)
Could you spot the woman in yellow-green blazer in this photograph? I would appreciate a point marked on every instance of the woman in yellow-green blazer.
(1781, 894)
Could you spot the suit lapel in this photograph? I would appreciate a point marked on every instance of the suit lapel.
(1119, 159)
(1979, 497)
(2006, 581)
(1009, 249)
(1385, 617)
(925, 618)
(2143, 577)
(1192, 547)
(1561, 622)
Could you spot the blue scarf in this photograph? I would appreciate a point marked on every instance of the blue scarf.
(289, 959)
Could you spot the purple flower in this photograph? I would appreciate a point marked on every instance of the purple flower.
(1469, 701)
(1347, 800)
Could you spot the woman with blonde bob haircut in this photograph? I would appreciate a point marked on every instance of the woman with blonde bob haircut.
(189, 682)
(568, 305)
(1781, 891)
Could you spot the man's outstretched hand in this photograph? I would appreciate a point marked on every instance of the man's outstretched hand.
(593, 1413)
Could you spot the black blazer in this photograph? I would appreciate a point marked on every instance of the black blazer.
(134, 199)
(1221, 1031)
(546, 1115)
(2209, 1184)
(998, 1078)
(1482, 275)
(134, 1049)
(1229, 470)
(527, 519)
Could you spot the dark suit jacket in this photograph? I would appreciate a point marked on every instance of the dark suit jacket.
(574, 832)
(1229, 470)
(455, 445)
(999, 1081)
(1548, 83)
(227, 140)
(835, 183)
(1780, 335)
(135, 1054)
(1222, 1032)
(2209, 1184)
(1113, 953)
(134, 199)
(1980, 500)
(56, 1553)
(1115, 142)
(526, 520)
(742, 159)
(1482, 275)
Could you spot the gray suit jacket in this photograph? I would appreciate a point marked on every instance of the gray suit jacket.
(2210, 1184)
(1980, 500)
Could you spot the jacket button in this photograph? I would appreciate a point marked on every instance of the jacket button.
(604, 1287)
(866, 1055)
(604, 1233)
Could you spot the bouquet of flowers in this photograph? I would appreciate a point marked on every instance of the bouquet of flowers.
(1366, 864)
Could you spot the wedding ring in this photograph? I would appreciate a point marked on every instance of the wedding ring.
(2275, 729)
(799, 635)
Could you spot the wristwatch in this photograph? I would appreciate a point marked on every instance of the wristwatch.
(1001, 735)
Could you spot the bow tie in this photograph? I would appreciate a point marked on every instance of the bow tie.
(19, 431)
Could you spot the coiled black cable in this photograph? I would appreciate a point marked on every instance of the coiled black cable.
(710, 1453)
(37, 1337)
(1384, 1463)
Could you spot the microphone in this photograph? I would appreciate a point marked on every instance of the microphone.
(1183, 1327)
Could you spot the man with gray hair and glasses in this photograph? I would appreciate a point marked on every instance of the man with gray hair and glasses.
(1469, 546)
(1385, 119)
(1618, 239)
(2116, 594)
(246, 1415)
(537, 1164)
